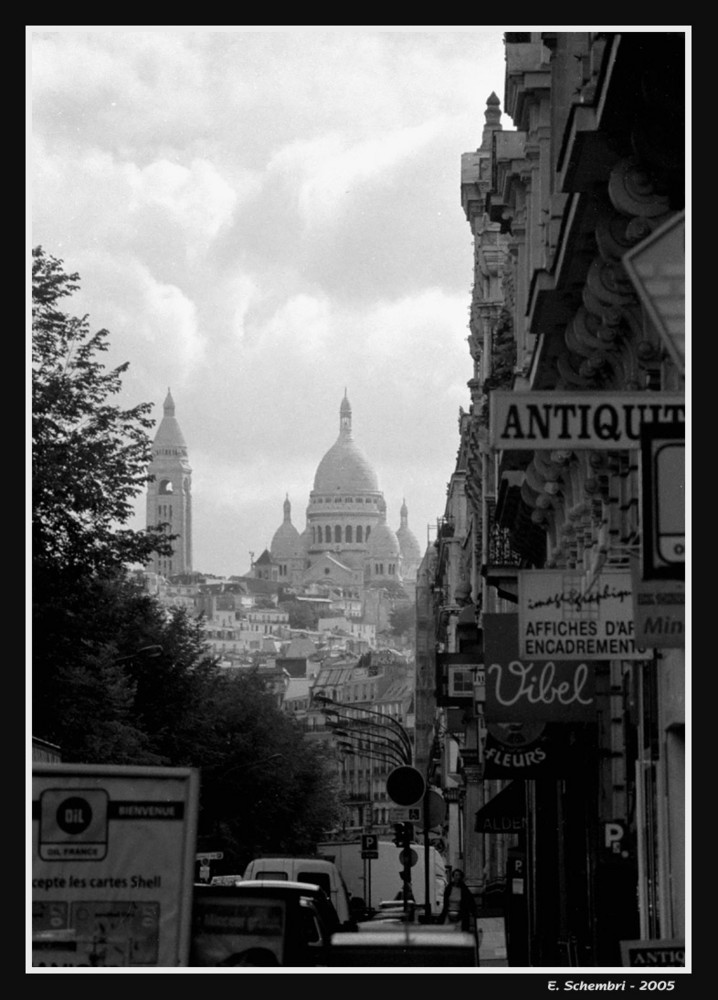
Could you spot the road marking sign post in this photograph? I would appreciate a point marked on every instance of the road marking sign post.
(369, 846)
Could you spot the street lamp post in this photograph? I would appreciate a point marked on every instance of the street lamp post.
(151, 651)
(345, 713)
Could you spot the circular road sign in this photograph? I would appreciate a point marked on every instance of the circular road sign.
(405, 785)
(408, 857)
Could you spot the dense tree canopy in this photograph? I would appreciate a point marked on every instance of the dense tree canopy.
(116, 677)
(90, 457)
(301, 614)
(402, 619)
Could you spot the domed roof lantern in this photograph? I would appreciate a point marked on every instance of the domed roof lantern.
(344, 468)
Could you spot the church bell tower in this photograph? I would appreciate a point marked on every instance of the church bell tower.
(169, 495)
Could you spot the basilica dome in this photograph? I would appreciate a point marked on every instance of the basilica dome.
(410, 551)
(287, 542)
(383, 543)
(344, 468)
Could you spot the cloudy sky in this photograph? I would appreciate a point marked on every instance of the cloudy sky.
(262, 218)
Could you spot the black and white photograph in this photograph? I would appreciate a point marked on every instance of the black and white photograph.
(358, 615)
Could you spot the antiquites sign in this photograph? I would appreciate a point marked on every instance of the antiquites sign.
(526, 420)
(563, 617)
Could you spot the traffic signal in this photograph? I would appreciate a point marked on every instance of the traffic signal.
(403, 834)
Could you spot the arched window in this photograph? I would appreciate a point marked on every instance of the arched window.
(348, 533)
(319, 534)
(368, 532)
(359, 533)
(337, 533)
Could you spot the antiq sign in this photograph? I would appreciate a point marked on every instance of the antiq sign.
(612, 420)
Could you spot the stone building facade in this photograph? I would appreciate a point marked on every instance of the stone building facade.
(578, 308)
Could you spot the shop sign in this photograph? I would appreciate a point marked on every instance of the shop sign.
(611, 420)
(663, 502)
(659, 612)
(456, 678)
(504, 813)
(517, 687)
(653, 954)
(533, 749)
(563, 614)
(657, 268)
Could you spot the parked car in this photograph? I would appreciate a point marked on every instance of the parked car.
(225, 879)
(264, 922)
(320, 871)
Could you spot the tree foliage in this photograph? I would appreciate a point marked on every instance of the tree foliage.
(301, 614)
(89, 456)
(402, 619)
(266, 788)
(117, 678)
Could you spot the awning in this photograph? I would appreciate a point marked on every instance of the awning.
(504, 813)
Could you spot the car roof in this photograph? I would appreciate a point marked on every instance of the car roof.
(276, 887)
(277, 883)
(405, 935)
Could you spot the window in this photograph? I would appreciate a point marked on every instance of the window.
(348, 533)
(359, 533)
(309, 921)
(316, 878)
(337, 533)
(319, 534)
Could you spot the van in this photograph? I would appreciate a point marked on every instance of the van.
(379, 879)
(312, 869)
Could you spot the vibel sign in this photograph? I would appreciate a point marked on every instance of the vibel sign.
(609, 421)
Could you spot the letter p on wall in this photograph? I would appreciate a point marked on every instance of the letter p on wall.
(613, 834)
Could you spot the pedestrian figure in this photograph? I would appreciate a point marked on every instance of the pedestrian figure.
(406, 893)
(459, 904)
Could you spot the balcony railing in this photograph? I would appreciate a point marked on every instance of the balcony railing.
(501, 553)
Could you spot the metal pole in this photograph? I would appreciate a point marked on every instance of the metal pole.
(367, 883)
(425, 817)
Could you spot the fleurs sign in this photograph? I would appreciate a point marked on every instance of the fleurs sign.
(560, 615)
(536, 749)
(519, 689)
(526, 420)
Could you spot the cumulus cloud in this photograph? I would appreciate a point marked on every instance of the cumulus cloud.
(194, 199)
(262, 219)
(328, 168)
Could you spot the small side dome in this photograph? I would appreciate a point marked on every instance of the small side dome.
(287, 542)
